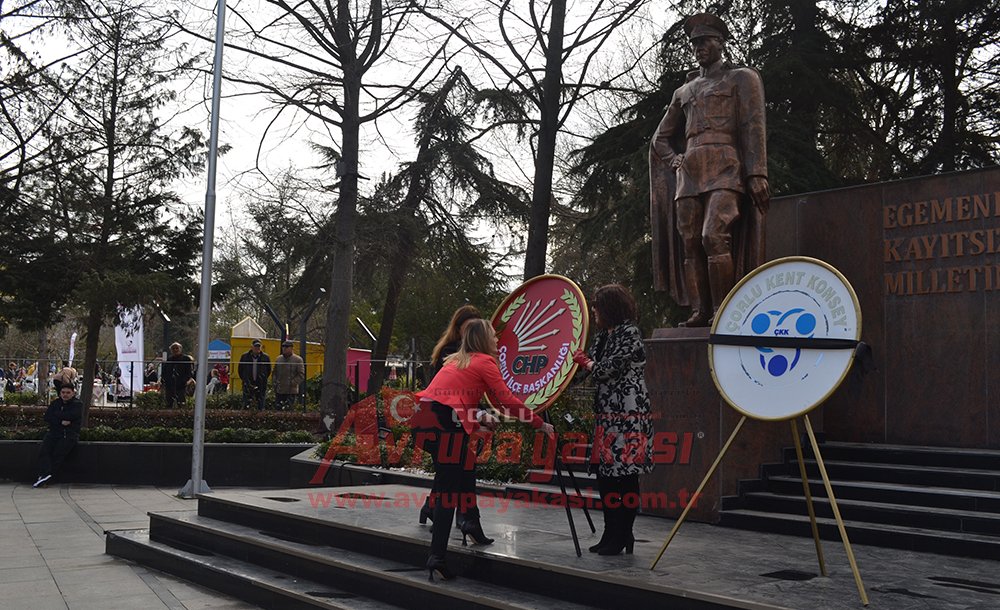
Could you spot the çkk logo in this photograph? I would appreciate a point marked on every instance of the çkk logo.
(782, 324)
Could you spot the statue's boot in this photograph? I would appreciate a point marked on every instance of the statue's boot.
(696, 282)
(721, 277)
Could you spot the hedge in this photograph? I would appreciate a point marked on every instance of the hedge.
(232, 401)
(159, 434)
(216, 419)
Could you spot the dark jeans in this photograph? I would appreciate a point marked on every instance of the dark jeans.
(55, 448)
(254, 397)
(454, 474)
(175, 392)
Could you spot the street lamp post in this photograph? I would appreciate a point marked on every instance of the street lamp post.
(166, 329)
(282, 326)
(196, 484)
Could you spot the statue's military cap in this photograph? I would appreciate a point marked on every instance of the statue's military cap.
(705, 24)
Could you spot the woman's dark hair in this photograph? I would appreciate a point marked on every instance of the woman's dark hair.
(475, 340)
(453, 333)
(614, 305)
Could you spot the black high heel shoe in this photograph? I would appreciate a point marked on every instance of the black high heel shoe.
(426, 512)
(439, 565)
(473, 529)
(613, 547)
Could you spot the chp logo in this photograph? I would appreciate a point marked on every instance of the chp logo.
(539, 326)
(794, 298)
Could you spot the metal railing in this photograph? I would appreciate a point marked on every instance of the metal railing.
(116, 383)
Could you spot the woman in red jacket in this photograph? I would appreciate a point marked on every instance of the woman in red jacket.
(448, 344)
(447, 417)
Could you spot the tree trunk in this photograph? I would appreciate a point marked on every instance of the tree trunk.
(407, 240)
(945, 150)
(806, 37)
(42, 372)
(90, 361)
(541, 196)
(334, 394)
(398, 270)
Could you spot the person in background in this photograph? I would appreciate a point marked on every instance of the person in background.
(623, 427)
(448, 344)
(67, 375)
(223, 371)
(289, 373)
(448, 414)
(63, 417)
(213, 382)
(150, 375)
(254, 370)
(177, 370)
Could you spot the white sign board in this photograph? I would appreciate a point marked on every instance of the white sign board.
(797, 319)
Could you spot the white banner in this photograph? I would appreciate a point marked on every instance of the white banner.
(72, 348)
(128, 340)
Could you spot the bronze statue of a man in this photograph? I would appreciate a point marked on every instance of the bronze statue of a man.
(708, 178)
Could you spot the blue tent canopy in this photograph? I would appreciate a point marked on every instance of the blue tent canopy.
(219, 350)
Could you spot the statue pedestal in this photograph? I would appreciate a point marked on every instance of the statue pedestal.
(692, 423)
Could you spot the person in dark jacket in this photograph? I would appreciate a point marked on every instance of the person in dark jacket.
(623, 426)
(63, 417)
(177, 370)
(254, 369)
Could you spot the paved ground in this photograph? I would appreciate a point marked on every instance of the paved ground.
(52, 556)
(52, 551)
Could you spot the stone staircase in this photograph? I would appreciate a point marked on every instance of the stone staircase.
(940, 500)
(280, 549)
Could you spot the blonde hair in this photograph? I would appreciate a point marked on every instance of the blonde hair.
(475, 340)
(454, 331)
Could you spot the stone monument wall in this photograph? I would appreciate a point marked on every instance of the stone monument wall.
(923, 256)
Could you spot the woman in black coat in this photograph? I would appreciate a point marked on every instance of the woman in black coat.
(623, 428)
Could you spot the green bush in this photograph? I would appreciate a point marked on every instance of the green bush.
(224, 401)
(28, 434)
(219, 401)
(159, 434)
(21, 398)
(149, 400)
(216, 419)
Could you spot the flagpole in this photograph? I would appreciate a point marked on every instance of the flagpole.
(196, 484)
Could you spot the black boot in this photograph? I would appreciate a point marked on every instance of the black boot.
(624, 516)
(620, 538)
(426, 512)
(469, 524)
(606, 535)
(438, 564)
(474, 529)
(603, 489)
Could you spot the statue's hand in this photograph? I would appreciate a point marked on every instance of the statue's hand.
(677, 161)
(760, 192)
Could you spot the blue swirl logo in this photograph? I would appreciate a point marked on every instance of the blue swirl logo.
(782, 324)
